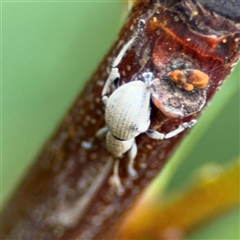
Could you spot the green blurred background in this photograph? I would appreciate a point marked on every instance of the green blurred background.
(49, 49)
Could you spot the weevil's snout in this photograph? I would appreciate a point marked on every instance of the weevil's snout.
(118, 147)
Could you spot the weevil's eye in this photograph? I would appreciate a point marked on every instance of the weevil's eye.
(115, 82)
(189, 79)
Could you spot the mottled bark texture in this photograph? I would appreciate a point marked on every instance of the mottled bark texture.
(67, 194)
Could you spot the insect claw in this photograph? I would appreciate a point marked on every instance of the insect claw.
(192, 123)
(189, 124)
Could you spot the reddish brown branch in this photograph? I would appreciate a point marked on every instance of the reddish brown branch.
(66, 194)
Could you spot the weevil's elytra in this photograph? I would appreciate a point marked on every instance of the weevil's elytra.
(125, 100)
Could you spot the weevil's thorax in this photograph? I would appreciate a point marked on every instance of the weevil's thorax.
(117, 147)
(128, 110)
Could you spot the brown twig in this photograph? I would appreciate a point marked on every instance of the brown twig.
(66, 194)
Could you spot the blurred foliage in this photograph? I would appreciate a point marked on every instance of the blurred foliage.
(49, 49)
(213, 192)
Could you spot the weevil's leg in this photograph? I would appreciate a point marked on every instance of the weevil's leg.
(123, 51)
(132, 153)
(155, 134)
(143, 127)
(105, 99)
(180, 129)
(175, 132)
(160, 136)
(191, 123)
(114, 74)
(115, 179)
(101, 132)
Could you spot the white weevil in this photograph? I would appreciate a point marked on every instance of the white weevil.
(127, 114)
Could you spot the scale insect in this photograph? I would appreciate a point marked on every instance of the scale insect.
(127, 115)
(188, 79)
